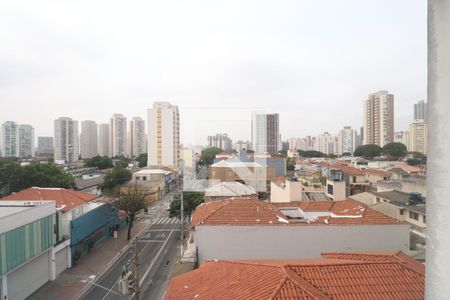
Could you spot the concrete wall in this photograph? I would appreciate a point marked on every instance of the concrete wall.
(294, 242)
(290, 191)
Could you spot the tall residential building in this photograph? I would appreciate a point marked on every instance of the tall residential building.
(420, 111)
(418, 137)
(137, 137)
(103, 140)
(89, 139)
(266, 133)
(66, 140)
(10, 139)
(220, 140)
(294, 143)
(379, 119)
(163, 135)
(347, 140)
(26, 141)
(327, 143)
(45, 146)
(240, 145)
(402, 137)
(118, 135)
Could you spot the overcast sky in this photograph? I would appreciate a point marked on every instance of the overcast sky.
(314, 62)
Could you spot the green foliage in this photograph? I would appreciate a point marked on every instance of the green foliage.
(118, 176)
(190, 201)
(101, 162)
(142, 160)
(311, 153)
(14, 178)
(417, 159)
(395, 150)
(368, 151)
(207, 156)
(290, 164)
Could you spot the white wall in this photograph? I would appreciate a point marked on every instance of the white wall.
(296, 242)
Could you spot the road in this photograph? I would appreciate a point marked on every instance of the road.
(158, 248)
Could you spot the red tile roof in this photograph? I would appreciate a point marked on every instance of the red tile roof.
(377, 172)
(65, 199)
(360, 277)
(250, 211)
(347, 169)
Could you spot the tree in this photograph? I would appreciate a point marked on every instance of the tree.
(131, 200)
(118, 176)
(142, 160)
(416, 159)
(101, 162)
(14, 178)
(207, 156)
(395, 150)
(368, 151)
(290, 164)
(311, 153)
(190, 201)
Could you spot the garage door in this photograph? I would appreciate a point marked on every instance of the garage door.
(61, 261)
(28, 278)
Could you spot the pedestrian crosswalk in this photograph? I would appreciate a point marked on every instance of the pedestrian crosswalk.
(167, 220)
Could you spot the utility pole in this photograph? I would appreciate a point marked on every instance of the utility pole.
(182, 220)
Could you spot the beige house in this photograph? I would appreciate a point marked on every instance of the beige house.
(285, 190)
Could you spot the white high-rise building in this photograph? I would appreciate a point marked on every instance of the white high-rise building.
(66, 140)
(295, 143)
(118, 135)
(26, 141)
(137, 137)
(418, 137)
(327, 143)
(379, 119)
(221, 141)
(266, 133)
(163, 135)
(89, 139)
(103, 140)
(347, 140)
(10, 139)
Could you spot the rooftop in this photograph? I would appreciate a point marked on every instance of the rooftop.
(402, 199)
(347, 169)
(229, 189)
(235, 164)
(377, 172)
(336, 276)
(248, 211)
(65, 199)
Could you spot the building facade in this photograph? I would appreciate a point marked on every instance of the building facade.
(418, 137)
(221, 141)
(379, 119)
(89, 139)
(103, 140)
(266, 133)
(17, 140)
(137, 137)
(240, 145)
(401, 137)
(66, 140)
(118, 135)
(420, 111)
(45, 146)
(163, 133)
(347, 140)
(327, 143)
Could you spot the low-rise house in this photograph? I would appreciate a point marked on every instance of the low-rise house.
(407, 207)
(375, 175)
(344, 181)
(285, 190)
(162, 178)
(28, 255)
(252, 229)
(225, 190)
(81, 222)
(388, 276)
(410, 184)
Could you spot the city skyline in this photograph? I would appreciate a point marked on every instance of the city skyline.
(319, 77)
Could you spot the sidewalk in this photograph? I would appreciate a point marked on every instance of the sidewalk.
(68, 286)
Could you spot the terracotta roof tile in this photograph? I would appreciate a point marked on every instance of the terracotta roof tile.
(377, 172)
(370, 276)
(65, 199)
(347, 169)
(249, 211)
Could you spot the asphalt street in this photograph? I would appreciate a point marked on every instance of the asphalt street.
(158, 248)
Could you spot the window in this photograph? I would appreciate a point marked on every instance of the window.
(424, 219)
(144, 178)
(401, 212)
(354, 179)
(413, 215)
(378, 199)
(330, 189)
(138, 178)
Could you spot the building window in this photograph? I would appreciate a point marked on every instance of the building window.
(424, 218)
(413, 215)
(330, 189)
(401, 212)
(138, 178)
(354, 179)
(378, 199)
(144, 178)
